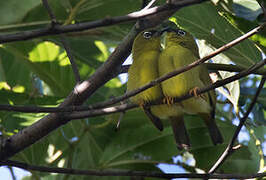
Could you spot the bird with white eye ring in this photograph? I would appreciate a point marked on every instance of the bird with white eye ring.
(179, 50)
(145, 54)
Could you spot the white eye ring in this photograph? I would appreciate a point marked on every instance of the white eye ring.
(181, 32)
(147, 34)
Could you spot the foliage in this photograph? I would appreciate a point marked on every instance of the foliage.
(38, 72)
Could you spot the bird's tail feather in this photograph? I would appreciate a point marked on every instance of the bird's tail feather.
(214, 131)
(155, 120)
(180, 132)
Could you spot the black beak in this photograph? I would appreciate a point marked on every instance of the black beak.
(165, 29)
(168, 29)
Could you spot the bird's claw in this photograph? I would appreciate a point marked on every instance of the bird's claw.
(195, 92)
(142, 104)
(168, 100)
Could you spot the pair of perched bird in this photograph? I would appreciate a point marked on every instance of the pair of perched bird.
(156, 52)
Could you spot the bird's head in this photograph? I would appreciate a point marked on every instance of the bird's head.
(172, 35)
(147, 40)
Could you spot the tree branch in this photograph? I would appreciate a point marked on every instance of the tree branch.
(149, 85)
(127, 173)
(214, 67)
(229, 149)
(39, 109)
(49, 10)
(180, 70)
(121, 108)
(25, 35)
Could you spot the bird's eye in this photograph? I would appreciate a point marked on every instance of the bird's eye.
(147, 35)
(181, 32)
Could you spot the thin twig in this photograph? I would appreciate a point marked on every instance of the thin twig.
(127, 173)
(121, 108)
(149, 5)
(34, 109)
(229, 149)
(134, 92)
(71, 59)
(25, 35)
(11, 170)
(214, 67)
(63, 41)
(49, 10)
(180, 70)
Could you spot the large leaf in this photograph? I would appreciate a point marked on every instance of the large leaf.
(7, 9)
(231, 90)
(247, 9)
(13, 121)
(50, 63)
(204, 22)
(14, 74)
(243, 14)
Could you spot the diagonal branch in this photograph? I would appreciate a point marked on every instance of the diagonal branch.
(180, 70)
(229, 149)
(121, 108)
(149, 85)
(124, 107)
(49, 10)
(71, 58)
(214, 67)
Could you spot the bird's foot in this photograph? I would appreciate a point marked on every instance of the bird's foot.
(142, 104)
(195, 92)
(168, 100)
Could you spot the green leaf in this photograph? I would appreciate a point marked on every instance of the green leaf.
(204, 22)
(231, 90)
(135, 144)
(240, 162)
(241, 15)
(250, 92)
(13, 121)
(50, 63)
(13, 74)
(13, 11)
(247, 9)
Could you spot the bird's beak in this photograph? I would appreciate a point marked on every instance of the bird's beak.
(163, 33)
(165, 29)
(163, 40)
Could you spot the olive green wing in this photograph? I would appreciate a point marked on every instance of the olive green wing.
(209, 119)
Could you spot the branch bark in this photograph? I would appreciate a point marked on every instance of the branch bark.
(124, 107)
(214, 67)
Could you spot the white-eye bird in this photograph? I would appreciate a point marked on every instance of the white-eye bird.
(144, 69)
(179, 50)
